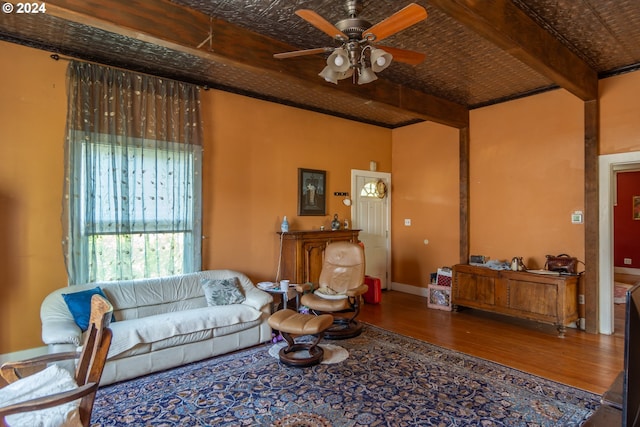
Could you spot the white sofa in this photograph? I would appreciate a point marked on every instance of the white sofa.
(163, 322)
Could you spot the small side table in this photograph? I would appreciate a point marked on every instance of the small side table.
(285, 296)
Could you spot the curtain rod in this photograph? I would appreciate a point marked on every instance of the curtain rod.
(57, 57)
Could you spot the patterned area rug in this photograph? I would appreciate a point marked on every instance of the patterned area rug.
(620, 292)
(387, 380)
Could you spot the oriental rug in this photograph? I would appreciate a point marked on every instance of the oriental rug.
(620, 292)
(386, 380)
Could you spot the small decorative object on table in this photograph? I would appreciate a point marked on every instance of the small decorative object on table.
(335, 224)
(477, 259)
(562, 263)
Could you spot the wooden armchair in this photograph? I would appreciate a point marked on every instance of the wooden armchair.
(88, 370)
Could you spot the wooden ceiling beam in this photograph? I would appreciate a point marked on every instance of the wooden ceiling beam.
(175, 27)
(508, 27)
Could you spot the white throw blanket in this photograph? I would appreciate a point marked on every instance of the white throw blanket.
(44, 383)
(129, 333)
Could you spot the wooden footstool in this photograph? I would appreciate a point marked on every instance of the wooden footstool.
(292, 324)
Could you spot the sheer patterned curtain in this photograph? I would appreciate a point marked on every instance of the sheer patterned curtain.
(133, 160)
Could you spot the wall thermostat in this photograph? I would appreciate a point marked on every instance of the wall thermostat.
(576, 217)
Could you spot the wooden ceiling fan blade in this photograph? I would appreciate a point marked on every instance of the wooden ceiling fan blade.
(295, 53)
(322, 24)
(405, 56)
(404, 18)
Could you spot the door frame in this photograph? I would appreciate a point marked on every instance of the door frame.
(387, 177)
(608, 165)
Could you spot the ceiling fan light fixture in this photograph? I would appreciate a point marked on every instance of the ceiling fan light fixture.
(338, 61)
(366, 75)
(345, 74)
(332, 76)
(380, 59)
(329, 75)
(356, 35)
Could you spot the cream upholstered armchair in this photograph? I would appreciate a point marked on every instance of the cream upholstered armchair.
(53, 396)
(339, 289)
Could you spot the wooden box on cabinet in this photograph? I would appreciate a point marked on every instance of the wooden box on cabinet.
(303, 252)
(544, 298)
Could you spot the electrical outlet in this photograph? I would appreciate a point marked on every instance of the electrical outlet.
(407, 222)
(627, 261)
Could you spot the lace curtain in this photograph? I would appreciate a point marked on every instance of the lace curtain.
(132, 193)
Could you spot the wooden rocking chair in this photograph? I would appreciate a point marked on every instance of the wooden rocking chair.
(88, 371)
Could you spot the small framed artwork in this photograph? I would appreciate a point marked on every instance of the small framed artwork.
(636, 207)
(312, 184)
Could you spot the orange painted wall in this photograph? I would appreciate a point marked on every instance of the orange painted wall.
(253, 152)
(620, 114)
(527, 177)
(32, 121)
(425, 181)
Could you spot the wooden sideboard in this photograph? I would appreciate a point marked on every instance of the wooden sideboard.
(540, 297)
(303, 252)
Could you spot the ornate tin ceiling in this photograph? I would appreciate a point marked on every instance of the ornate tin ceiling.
(464, 66)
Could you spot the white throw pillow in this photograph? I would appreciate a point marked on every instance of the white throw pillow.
(44, 383)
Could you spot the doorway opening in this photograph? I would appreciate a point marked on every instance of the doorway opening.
(608, 166)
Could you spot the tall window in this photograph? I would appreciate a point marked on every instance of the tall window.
(132, 177)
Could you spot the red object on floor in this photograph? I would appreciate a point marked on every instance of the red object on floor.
(374, 293)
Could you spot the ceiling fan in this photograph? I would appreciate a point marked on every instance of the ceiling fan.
(357, 36)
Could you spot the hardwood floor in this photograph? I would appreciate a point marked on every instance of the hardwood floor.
(626, 278)
(587, 361)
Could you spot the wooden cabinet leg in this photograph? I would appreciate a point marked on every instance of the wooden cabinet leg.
(561, 330)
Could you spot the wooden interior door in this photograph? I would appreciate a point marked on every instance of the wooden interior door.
(371, 214)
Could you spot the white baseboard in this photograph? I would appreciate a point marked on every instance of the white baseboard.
(410, 289)
(627, 270)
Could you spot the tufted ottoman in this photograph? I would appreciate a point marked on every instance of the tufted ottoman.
(292, 324)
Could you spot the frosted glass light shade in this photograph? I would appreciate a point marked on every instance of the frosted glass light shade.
(366, 75)
(338, 61)
(380, 60)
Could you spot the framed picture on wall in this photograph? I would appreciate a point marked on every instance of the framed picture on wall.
(636, 207)
(312, 184)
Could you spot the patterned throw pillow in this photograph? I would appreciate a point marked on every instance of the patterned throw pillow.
(222, 291)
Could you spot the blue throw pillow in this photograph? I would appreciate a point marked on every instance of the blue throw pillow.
(79, 304)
